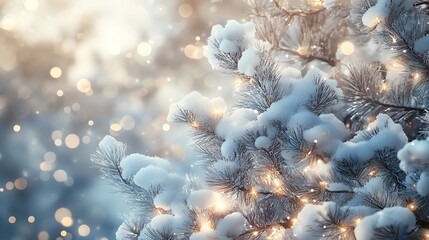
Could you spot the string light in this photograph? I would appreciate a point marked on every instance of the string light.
(317, 3)
(239, 82)
(253, 192)
(194, 124)
(347, 48)
(416, 76)
(302, 51)
(207, 225)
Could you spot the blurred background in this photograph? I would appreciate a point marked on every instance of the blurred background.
(72, 71)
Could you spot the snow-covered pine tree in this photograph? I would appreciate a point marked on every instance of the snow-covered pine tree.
(325, 138)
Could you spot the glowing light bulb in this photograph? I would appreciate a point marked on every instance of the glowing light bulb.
(416, 76)
(206, 226)
(302, 51)
(347, 48)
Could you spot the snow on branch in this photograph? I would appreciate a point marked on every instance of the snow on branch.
(284, 160)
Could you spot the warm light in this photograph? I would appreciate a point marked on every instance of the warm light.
(16, 128)
(55, 72)
(63, 233)
(323, 184)
(12, 219)
(84, 230)
(60, 93)
(60, 175)
(342, 229)
(144, 49)
(166, 127)
(62, 213)
(58, 142)
(43, 235)
(253, 192)
(21, 183)
(194, 124)
(72, 141)
(239, 83)
(8, 22)
(9, 186)
(395, 65)
(31, 5)
(185, 10)
(67, 221)
(372, 173)
(302, 51)
(384, 87)
(206, 226)
(31, 219)
(220, 204)
(116, 127)
(84, 85)
(411, 206)
(193, 52)
(275, 234)
(306, 169)
(218, 111)
(276, 182)
(316, 3)
(416, 76)
(304, 200)
(358, 221)
(347, 48)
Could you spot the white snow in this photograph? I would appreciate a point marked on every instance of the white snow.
(311, 215)
(423, 184)
(248, 62)
(233, 37)
(150, 176)
(202, 107)
(414, 156)
(328, 134)
(422, 45)
(201, 199)
(228, 46)
(107, 143)
(171, 183)
(132, 163)
(390, 135)
(204, 234)
(164, 223)
(397, 217)
(263, 142)
(231, 225)
(381, 10)
(376, 13)
(234, 126)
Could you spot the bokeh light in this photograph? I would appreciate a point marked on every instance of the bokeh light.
(74, 71)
